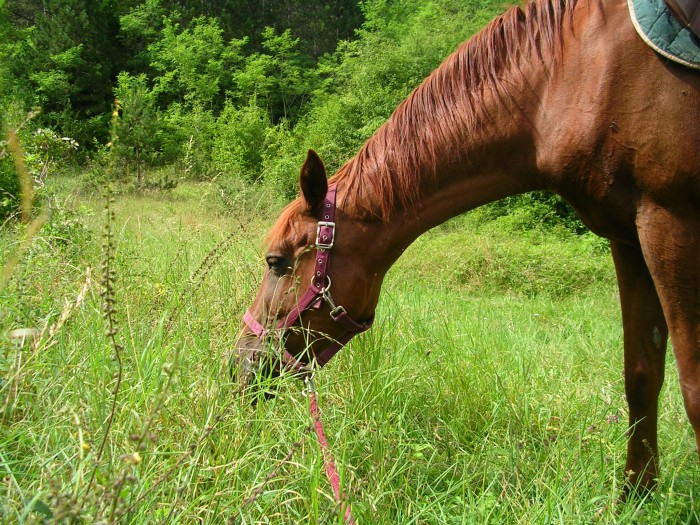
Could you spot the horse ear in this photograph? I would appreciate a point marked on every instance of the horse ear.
(313, 183)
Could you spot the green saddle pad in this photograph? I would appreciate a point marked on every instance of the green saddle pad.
(663, 33)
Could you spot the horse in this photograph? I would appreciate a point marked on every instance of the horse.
(559, 96)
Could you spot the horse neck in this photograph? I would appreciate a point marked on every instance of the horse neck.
(495, 160)
(471, 133)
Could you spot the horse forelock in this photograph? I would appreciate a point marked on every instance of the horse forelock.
(285, 226)
(398, 163)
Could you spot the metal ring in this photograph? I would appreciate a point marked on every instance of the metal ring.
(325, 288)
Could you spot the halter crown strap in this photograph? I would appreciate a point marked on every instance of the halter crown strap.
(318, 291)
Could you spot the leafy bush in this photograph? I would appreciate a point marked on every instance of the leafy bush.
(9, 186)
(240, 141)
(40, 150)
(193, 62)
(187, 138)
(45, 149)
(135, 126)
(281, 80)
(282, 159)
(532, 211)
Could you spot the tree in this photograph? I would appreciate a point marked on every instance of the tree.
(281, 80)
(319, 24)
(193, 63)
(139, 27)
(62, 58)
(135, 140)
(240, 141)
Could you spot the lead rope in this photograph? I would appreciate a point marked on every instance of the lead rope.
(328, 463)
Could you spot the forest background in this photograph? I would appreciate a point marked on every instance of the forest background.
(229, 91)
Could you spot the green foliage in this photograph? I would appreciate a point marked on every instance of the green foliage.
(61, 59)
(196, 67)
(55, 86)
(319, 24)
(280, 79)
(68, 231)
(44, 151)
(39, 152)
(139, 28)
(11, 115)
(240, 141)
(187, 138)
(9, 186)
(193, 63)
(533, 211)
(135, 141)
(475, 255)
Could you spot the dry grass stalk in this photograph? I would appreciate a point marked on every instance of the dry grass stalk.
(42, 340)
(25, 180)
(27, 200)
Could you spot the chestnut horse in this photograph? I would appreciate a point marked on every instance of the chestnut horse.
(559, 96)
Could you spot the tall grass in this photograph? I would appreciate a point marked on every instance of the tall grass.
(489, 391)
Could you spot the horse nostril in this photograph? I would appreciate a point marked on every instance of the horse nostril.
(248, 370)
(240, 365)
(242, 370)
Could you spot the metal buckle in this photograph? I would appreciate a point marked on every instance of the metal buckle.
(337, 312)
(319, 243)
(309, 382)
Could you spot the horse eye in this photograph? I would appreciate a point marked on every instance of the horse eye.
(277, 264)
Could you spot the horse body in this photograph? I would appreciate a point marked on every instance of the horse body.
(561, 98)
(635, 179)
(619, 125)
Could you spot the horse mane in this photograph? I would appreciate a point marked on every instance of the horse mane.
(399, 161)
(430, 126)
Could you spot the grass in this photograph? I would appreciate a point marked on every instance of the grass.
(488, 391)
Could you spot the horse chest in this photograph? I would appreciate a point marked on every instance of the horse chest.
(606, 207)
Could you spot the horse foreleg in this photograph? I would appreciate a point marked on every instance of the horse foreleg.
(671, 245)
(645, 336)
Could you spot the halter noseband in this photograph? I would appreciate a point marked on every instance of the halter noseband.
(317, 292)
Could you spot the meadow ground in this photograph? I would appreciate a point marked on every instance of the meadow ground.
(488, 391)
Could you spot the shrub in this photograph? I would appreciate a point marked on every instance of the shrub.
(9, 186)
(41, 150)
(534, 210)
(44, 150)
(240, 140)
(135, 125)
(187, 137)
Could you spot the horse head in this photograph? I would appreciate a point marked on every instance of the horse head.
(320, 286)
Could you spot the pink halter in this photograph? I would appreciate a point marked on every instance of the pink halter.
(317, 292)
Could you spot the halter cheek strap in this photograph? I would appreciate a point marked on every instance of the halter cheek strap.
(317, 293)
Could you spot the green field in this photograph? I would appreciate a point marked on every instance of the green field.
(489, 390)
